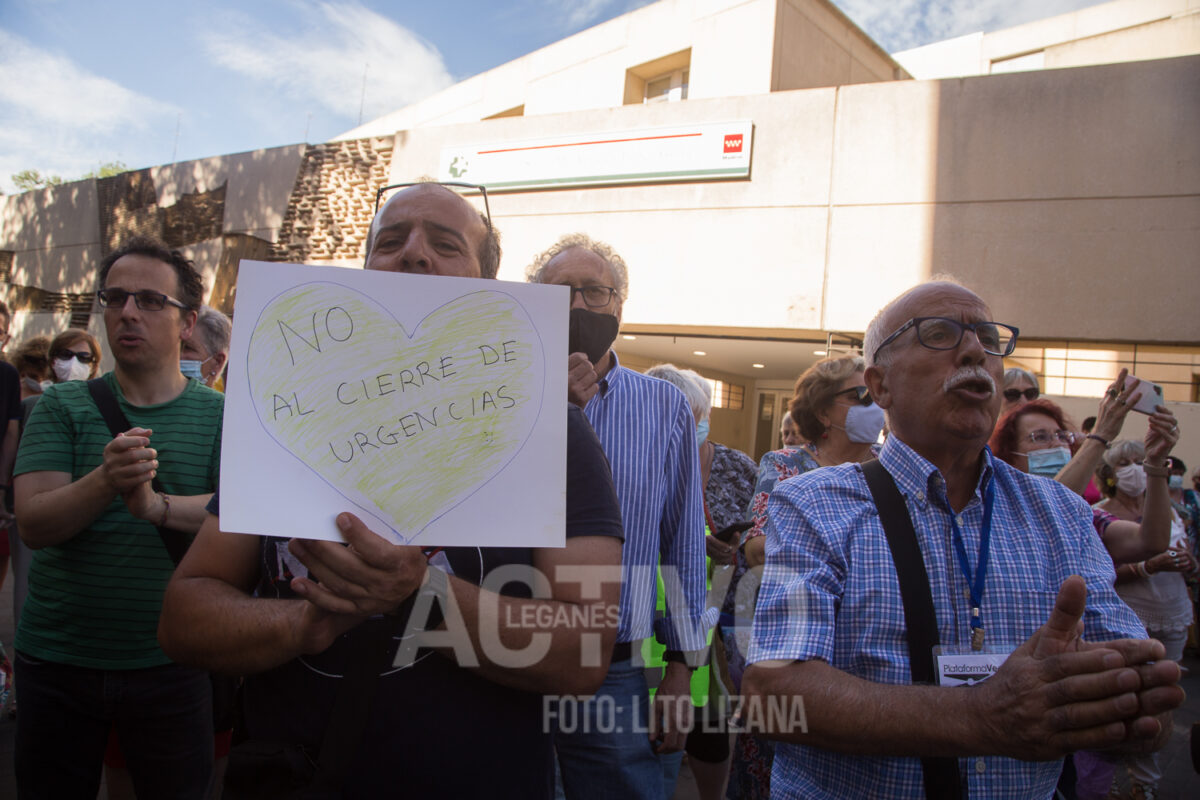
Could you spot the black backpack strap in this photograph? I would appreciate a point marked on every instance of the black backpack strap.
(920, 619)
(175, 541)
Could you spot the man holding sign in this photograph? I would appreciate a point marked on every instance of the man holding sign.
(457, 711)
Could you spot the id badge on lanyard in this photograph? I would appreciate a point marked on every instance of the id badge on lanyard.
(958, 667)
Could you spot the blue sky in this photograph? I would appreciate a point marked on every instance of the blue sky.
(146, 82)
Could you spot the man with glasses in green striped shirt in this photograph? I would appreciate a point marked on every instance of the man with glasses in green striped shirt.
(87, 656)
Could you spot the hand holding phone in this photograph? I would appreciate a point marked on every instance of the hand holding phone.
(1151, 395)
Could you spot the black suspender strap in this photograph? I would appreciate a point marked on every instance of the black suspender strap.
(920, 619)
(176, 542)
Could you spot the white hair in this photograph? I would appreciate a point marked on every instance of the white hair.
(535, 272)
(213, 330)
(694, 386)
(1014, 374)
(1124, 448)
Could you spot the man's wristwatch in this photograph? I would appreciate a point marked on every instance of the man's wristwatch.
(677, 657)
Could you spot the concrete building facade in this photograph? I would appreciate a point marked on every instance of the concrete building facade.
(1108, 33)
(1069, 198)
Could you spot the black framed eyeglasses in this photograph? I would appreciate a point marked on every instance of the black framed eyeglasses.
(145, 299)
(862, 395)
(1013, 395)
(943, 333)
(452, 185)
(593, 296)
(82, 356)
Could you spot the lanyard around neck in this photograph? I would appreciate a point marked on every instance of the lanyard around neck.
(976, 582)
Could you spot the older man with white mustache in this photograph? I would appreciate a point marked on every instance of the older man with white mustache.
(946, 624)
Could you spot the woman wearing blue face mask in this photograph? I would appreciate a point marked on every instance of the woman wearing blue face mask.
(1183, 501)
(1037, 439)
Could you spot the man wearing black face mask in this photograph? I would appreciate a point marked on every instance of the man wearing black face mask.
(648, 433)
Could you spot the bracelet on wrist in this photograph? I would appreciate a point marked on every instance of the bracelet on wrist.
(1097, 437)
(1155, 471)
(162, 521)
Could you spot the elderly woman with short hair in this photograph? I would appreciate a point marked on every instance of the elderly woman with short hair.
(204, 355)
(1020, 387)
(32, 360)
(840, 422)
(727, 476)
(1155, 588)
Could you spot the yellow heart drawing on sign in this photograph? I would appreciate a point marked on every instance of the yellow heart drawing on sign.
(405, 426)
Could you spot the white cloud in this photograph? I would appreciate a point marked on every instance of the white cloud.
(323, 61)
(60, 119)
(901, 24)
(574, 15)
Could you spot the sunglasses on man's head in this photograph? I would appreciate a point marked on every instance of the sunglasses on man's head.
(1012, 395)
(862, 395)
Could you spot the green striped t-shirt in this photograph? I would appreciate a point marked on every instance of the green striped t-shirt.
(94, 600)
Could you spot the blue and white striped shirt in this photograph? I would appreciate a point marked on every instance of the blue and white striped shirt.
(830, 592)
(649, 435)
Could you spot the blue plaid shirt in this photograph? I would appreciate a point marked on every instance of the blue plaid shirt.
(649, 435)
(830, 592)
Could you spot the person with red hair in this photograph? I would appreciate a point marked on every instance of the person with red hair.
(1036, 438)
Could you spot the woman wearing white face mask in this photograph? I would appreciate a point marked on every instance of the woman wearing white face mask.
(32, 360)
(1154, 588)
(74, 356)
(1035, 438)
(840, 422)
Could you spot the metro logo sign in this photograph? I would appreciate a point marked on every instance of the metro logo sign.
(703, 151)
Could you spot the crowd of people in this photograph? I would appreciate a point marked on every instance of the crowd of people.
(911, 597)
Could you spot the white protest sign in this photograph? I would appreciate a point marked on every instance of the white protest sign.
(434, 408)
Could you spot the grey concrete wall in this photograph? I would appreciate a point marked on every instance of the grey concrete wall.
(1054, 193)
(1069, 198)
